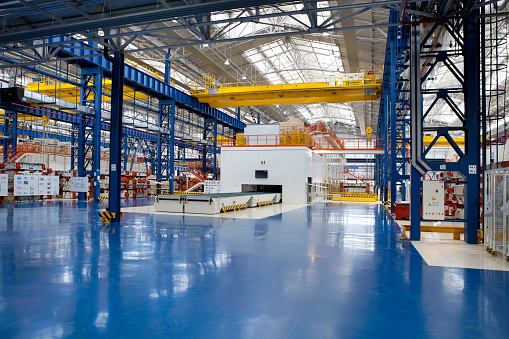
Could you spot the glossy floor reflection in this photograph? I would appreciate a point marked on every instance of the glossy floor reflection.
(318, 271)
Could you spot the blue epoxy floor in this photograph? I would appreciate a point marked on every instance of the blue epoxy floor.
(322, 272)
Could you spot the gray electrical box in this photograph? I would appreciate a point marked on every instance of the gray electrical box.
(433, 200)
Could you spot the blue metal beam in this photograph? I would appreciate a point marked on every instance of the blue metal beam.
(57, 115)
(41, 135)
(465, 31)
(171, 167)
(117, 94)
(145, 83)
(10, 132)
(416, 113)
(470, 161)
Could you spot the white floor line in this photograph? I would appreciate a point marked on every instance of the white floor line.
(439, 249)
(457, 253)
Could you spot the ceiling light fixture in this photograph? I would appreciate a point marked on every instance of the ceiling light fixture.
(245, 77)
(205, 45)
(227, 62)
(325, 33)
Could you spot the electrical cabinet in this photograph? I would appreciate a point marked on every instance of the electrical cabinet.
(433, 200)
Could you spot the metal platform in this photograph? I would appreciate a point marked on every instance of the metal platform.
(213, 203)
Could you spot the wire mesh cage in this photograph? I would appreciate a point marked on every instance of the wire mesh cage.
(505, 212)
(496, 211)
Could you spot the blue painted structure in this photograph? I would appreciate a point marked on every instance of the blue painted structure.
(10, 132)
(209, 163)
(465, 32)
(334, 271)
(166, 153)
(396, 106)
(394, 118)
(87, 132)
(117, 100)
(89, 128)
(143, 82)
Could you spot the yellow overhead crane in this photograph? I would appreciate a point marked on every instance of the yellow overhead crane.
(71, 93)
(25, 118)
(344, 88)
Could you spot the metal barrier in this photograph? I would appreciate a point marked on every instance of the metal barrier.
(359, 197)
(299, 138)
(353, 144)
(496, 211)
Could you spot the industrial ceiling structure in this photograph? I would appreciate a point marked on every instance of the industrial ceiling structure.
(253, 42)
(249, 42)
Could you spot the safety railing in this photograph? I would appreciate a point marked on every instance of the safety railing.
(353, 144)
(41, 148)
(298, 138)
(284, 139)
(197, 171)
(313, 129)
(357, 176)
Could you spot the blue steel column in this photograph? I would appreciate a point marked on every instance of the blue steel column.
(6, 139)
(383, 163)
(210, 132)
(472, 133)
(171, 167)
(125, 152)
(381, 135)
(465, 32)
(97, 134)
(415, 111)
(74, 141)
(165, 141)
(81, 152)
(392, 111)
(215, 150)
(386, 159)
(117, 96)
(92, 80)
(158, 169)
(167, 67)
(11, 132)
(394, 116)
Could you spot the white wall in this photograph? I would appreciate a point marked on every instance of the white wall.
(259, 134)
(286, 166)
(261, 129)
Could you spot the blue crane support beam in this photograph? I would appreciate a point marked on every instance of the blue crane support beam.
(145, 83)
(42, 135)
(74, 119)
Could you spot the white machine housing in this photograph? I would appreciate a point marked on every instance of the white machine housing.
(292, 167)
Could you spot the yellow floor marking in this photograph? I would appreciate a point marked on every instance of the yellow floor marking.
(263, 235)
